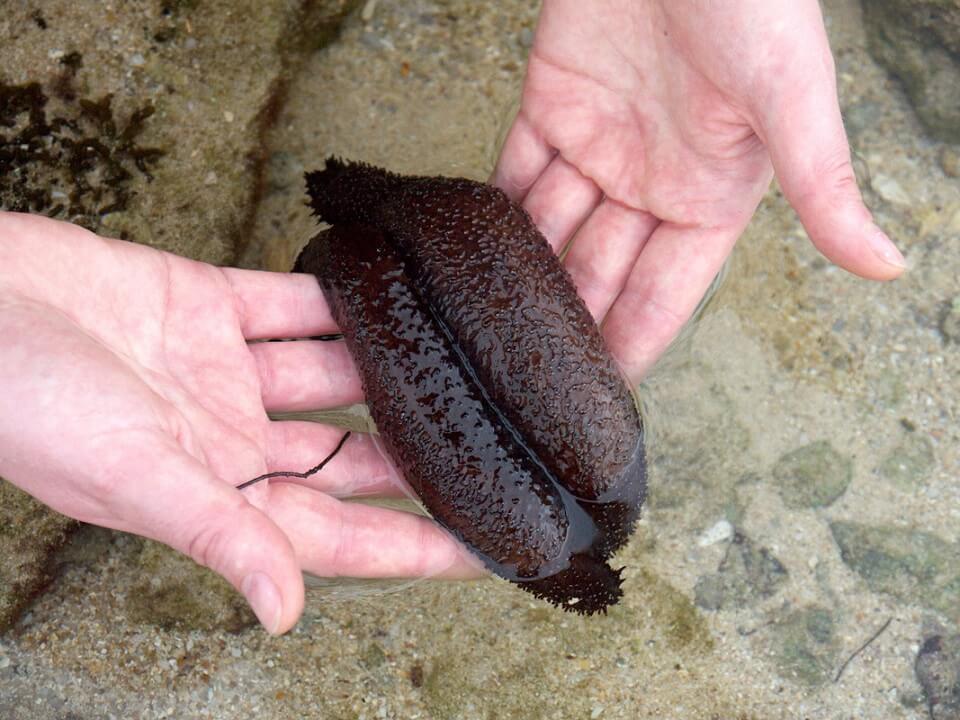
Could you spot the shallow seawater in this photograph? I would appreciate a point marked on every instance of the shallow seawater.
(803, 442)
(778, 419)
(778, 438)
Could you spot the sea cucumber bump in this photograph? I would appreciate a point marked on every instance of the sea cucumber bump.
(485, 374)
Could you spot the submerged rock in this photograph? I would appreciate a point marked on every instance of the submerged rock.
(804, 646)
(814, 475)
(124, 149)
(938, 671)
(949, 324)
(919, 42)
(747, 574)
(910, 461)
(912, 565)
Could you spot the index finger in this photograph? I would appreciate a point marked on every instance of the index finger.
(279, 305)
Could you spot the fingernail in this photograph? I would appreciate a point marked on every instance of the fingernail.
(886, 250)
(264, 598)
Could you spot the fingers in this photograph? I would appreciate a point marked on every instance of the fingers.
(808, 146)
(523, 158)
(604, 251)
(334, 538)
(306, 375)
(670, 277)
(187, 508)
(358, 470)
(559, 201)
(279, 305)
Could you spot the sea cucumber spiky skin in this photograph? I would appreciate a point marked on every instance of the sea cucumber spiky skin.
(478, 263)
(465, 464)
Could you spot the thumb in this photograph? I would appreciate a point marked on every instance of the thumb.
(808, 146)
(207, 519)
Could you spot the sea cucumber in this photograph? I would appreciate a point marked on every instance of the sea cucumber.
(487, 378)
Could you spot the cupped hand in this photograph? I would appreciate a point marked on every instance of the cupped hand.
(647, 134)
(130, 398)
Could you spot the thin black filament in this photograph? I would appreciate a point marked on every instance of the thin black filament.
(303, 475)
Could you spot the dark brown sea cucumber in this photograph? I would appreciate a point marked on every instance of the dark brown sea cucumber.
(485, 374)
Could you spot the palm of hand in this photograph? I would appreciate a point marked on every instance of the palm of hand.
(132, 400)
(643, 145)
(153, 368)
(650, 132)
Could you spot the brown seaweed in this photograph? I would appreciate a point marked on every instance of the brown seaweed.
(77, 165)
(487, 377)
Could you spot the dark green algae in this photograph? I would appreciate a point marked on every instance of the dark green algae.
(487, 378)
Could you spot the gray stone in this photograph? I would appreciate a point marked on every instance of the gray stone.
(805, 647)
(814, 475)
(949, 324)
(919, 42)
(938, 671)
(909, 463)
(747, 574)
(912, 565)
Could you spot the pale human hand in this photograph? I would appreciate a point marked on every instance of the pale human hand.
(647, 134)
(129, 398)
